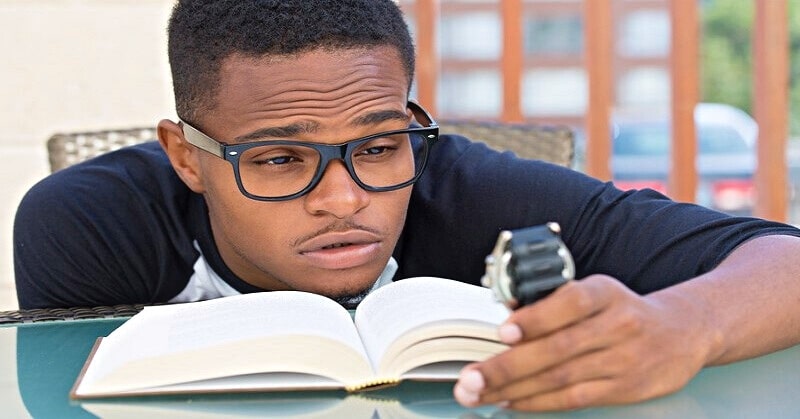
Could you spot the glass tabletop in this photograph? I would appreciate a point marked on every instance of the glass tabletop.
(40, 361)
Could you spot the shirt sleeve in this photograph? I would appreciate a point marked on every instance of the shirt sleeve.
(642, 238)
(98, 233)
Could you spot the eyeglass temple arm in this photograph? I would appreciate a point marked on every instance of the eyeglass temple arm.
(200, 140)
(418, 110)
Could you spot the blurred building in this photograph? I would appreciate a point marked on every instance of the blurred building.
(554, 85)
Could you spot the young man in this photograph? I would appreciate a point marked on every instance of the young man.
(280, 175)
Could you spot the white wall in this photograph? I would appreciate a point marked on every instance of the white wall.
(72, 65)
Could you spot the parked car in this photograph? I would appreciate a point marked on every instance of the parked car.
(726, 155)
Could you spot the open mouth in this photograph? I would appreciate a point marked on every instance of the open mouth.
(335, 245)
(343, 255)
(341, 250)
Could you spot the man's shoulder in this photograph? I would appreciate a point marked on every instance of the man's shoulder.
(138, 161)
(118, 228)
(456, 151)
(472, 167)
(132, 185)
(136, 171)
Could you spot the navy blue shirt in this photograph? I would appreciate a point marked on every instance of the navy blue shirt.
(121, 228)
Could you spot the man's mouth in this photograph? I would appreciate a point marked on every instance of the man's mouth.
(341, 250)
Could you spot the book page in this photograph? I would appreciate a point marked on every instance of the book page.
(442, 350)
(171, 330)
(393, 310)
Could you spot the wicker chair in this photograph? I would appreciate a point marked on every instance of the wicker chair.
(75, 313)
(69, 148)
(553, 144)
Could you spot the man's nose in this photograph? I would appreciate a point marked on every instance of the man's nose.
(336, 193)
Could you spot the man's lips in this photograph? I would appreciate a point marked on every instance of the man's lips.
(341, 250)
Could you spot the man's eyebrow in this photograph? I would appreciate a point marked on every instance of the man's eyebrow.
(286, 131)
(381, 116)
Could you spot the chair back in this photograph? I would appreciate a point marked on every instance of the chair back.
(554, 144)
(66, 149)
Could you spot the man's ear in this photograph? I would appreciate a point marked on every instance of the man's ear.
(184, 157)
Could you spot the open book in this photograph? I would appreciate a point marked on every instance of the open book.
(419, 328)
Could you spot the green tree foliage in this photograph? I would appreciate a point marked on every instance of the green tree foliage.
(727, 55)
(794, 74)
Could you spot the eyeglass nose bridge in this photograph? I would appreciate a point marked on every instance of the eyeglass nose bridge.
(329, 153)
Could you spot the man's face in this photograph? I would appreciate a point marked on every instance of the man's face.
(337, 239)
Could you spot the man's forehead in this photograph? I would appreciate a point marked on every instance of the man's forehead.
(322, 61)
(318, 76)
(314, 73)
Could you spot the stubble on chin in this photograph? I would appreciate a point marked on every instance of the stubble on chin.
(350, 301)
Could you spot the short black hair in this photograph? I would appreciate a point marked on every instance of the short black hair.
(203, 33)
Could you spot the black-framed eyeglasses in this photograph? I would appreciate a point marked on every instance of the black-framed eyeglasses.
(280, 170)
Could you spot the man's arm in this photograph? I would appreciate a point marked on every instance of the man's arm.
(751, 299)
(594, 342)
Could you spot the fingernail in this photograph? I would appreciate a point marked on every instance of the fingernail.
(472, 381)
(510, 333)
(464, 396)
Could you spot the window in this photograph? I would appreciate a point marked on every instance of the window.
(645, 33)
(644, 86)
(475, 93)
(561, 91)
(470, 36)
(553, 35)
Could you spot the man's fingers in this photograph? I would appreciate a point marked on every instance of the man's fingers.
(531, 357)
(571, 303)
(590, 367)
(581, 347)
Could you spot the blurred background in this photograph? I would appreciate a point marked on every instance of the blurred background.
(80, 65)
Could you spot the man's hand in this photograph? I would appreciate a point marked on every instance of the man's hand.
(592, 342)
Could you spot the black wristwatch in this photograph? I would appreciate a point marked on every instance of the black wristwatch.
(528, 264)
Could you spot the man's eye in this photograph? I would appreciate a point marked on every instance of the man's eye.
(274, 161)
(374, 150)
(277, 161)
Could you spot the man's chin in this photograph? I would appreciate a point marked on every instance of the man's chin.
(346, 288)
(350, 301)
(348, 296)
